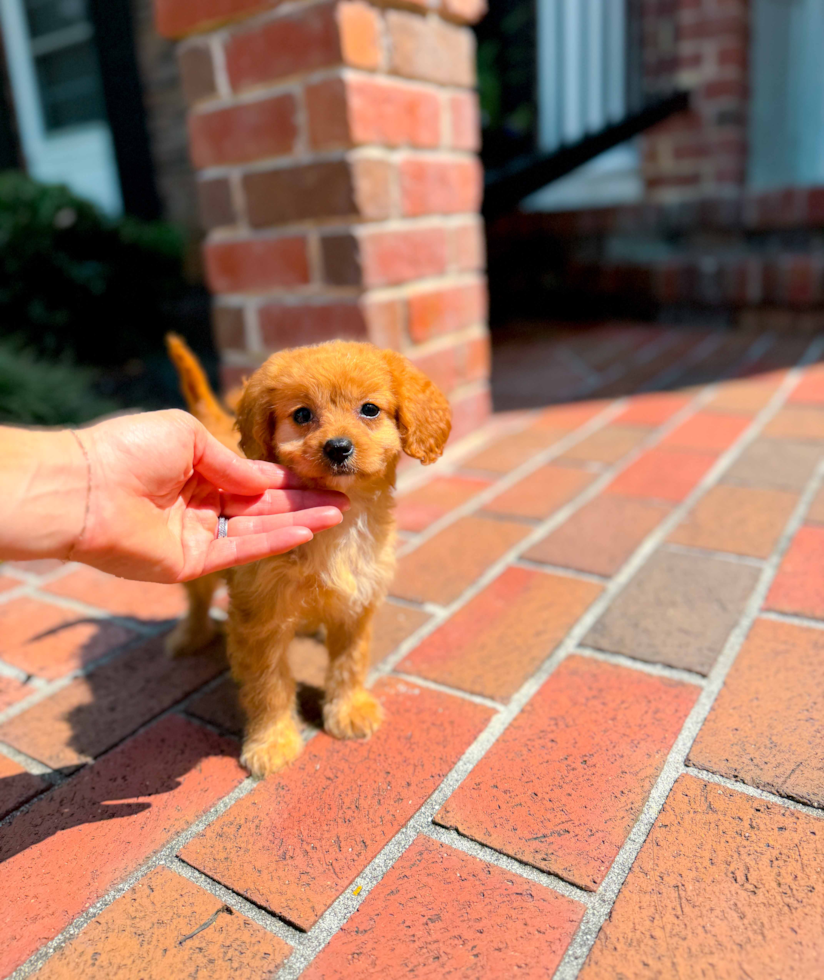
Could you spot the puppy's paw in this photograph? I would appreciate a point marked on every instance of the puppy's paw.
(188, 638)
(272, 750)
(356, 716)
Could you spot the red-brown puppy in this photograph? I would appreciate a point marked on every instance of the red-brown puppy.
(337, 415)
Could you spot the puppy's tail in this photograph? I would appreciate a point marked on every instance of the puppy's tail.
(200, 399)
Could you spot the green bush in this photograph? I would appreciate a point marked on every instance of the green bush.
(72, 279)
(38, 392)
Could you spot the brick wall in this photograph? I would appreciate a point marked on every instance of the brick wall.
(702, 152)
(335, 144)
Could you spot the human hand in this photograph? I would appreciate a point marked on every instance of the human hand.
(159, 482)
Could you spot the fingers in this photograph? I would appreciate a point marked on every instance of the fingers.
(226, 552)
(221, 467)
(281, 502)
(315, 519)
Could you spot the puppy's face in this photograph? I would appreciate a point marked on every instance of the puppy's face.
(339, 413)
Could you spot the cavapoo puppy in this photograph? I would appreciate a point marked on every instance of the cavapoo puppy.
(338, 415)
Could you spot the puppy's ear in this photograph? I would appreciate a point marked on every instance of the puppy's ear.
(256, 418)
(424, 416)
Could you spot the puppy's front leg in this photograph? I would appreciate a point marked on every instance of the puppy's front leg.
(349, 710)
(267, 694)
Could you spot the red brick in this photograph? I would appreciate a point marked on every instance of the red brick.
(563, 786)
(390, 257)
(78, 843)
(797, 422)
(359, 188)
(17, 786)
(440, 365)
(541, 493)
(310, 38)
(498, 640)
(475, 358)
(441, 311)
(739, 520)
(426, 504)
(663, 474)
(569, 417)
(97, 711)
(176, 18)
(288, 325)
(470, 412)
(510, 451)
(197, 71)
(653, 409)
(357, 111)
(815, 515)
(742, 397)
(442, 567)
(439, 912)
(431, 49)
(725, 886)
(607, 445)
(12, 691)
(256, 264)
(241, 133)
(600, 536)
(465, 116)
(137, 600)
(706, 432)
(148, 933)
(50, 641)
(799, 585)
(440, 186)
(359, 794)
(810, 390)
(214, 202)
(766, 728)
(467, 247)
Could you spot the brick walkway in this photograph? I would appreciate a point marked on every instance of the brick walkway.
(602, 668)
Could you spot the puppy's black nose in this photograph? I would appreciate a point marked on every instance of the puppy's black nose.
(337, 451)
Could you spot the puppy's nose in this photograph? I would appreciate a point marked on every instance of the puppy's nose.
(338, 450)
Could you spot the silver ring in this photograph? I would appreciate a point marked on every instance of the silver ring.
(223, 527)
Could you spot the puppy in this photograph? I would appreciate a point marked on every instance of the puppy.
(338, 415)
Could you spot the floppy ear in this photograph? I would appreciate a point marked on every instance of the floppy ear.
(256, 418)
(424, 416)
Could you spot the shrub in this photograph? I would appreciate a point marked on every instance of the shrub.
(74, 280)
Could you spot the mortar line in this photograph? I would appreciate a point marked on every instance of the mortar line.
(346, 904)
(456, 692)
(645, 667)
(754, 791)
(607, 894)
(491, 856)
(694, 550)
(550, 569)
(792, 619)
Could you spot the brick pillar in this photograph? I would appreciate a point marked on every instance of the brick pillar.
(705, 43)
(335, 145)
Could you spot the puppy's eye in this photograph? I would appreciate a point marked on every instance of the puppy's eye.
(302, 416)
(370, 411)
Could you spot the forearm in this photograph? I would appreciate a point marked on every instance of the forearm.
(44, 481)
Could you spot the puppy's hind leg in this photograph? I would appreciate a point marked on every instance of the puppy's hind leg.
(197, 629)
(349, 710)
(260, 665)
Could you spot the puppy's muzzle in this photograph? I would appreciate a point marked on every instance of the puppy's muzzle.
(338, 451)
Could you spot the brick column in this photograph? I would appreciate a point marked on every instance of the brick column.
(335, 145)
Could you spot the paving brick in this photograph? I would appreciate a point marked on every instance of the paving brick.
(17, 786)
(706, 432)
(797, 422)
(97, 711)
(541, 493)
(740, 520)
(12, 691)
(678, 610)
(815, 515)
(442, 567)
(799, 585)
(86, 835)
(742, 397)
(662, 474)
(7, 583)
(775, 464)
(497, 641)
(359, 794)
(766, 727)
(441, 913)
(563, 786)
(136, 600)
(510, 451)
(652, 409)
(810, 390)
(426, 504)
(725, 886)
(570, 416)
(600, 536)
(166, 927)
(607, 445)
(50, 641)
(40, 566)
